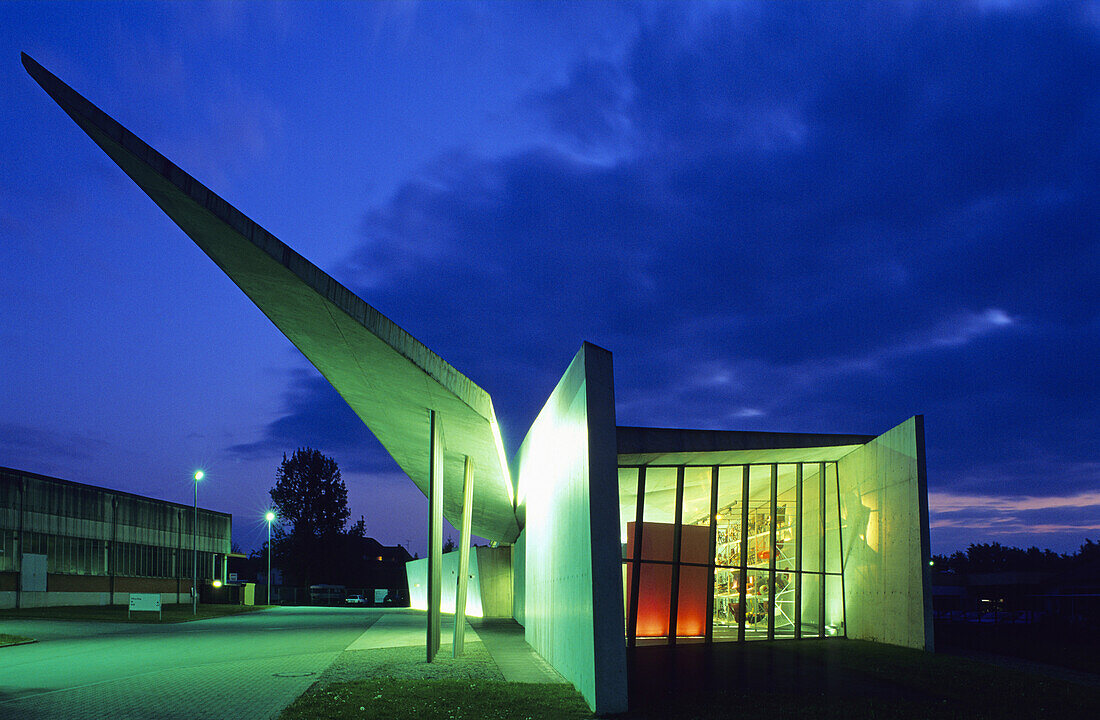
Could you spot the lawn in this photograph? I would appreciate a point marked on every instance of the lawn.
(1057, 644)
(395, 699)
(832, 679)
(117, 613)
(846, 679)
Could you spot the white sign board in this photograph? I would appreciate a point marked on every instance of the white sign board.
(380, 595)
(149, 602)
(32, 573)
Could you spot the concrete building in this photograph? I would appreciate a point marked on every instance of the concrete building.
(614, 536)
(64, 543)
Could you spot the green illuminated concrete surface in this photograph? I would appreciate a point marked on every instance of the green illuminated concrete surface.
(673, 446)
(567, 470)
(884, 507)
(388, 378)
(489, 583)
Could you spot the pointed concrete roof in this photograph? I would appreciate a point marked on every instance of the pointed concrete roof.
(389, 378)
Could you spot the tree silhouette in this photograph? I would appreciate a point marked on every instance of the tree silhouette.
(311, 503)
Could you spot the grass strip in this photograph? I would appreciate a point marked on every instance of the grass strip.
(390, 699)
(6, 640)
(118, 613)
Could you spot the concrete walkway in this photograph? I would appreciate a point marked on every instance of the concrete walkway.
(406, 628)
(503, 638)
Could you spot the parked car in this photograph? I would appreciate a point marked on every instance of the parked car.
(355, 600)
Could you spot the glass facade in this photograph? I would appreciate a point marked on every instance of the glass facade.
(731, 552)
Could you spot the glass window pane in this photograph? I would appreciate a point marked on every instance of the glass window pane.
(628, 499)
(832, 521)
(659, 511)
(691, 605)
(834, 606)
(660, 495)
(654, 600)
(757, 596)
(727, 613)
(695, 534)
(697, 495)
(811, 518)
(811, 605)
(784, 604)
(626, 597)
(728, 548)
(786, 515)
(760, 509)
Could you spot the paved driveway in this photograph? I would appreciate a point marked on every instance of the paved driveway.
(245, 666)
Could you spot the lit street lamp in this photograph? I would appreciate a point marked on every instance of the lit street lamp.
(195, 549)
(270, 517)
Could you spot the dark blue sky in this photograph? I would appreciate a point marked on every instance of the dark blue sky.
(793, 217)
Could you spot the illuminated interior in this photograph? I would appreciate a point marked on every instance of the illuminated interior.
(731, 552)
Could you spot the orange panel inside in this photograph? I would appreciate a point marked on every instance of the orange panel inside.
(655, 583)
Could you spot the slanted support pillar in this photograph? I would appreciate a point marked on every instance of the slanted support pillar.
(463, 557)
(435, 532)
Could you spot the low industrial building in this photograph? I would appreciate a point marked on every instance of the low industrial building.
(66, 543)
(616, 536)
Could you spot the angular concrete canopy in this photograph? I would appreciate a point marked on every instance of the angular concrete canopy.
(389, 379)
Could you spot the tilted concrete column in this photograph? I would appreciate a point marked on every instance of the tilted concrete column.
(435, 533)
(463, 557)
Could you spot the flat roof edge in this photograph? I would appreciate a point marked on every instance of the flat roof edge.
(633, 440)
(100, 488)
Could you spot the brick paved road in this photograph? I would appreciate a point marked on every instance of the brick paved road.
(247, 666)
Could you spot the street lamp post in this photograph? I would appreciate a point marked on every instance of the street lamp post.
(195, 549)
(269, 517)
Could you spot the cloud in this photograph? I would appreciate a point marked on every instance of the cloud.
(947, 502)
(591, 109)
(1058, 521)
(828, 214)
(786, 217)
(25, 445)
(316, 416)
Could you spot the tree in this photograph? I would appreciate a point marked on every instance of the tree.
(311, 503)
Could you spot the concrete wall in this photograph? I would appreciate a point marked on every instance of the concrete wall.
(69, 599)
(519, 578)
(417, 573)
(495, 579)
(488, 590)
(63, 590)
(885, 549)
(567, 472)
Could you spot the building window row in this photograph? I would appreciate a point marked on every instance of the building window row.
(86, 556)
